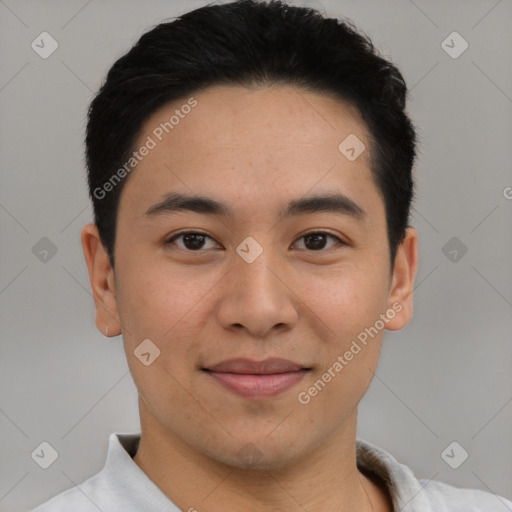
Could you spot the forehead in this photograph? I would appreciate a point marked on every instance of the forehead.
(258, 142)
(278, 115)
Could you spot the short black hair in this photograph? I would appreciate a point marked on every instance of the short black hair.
(250, 43)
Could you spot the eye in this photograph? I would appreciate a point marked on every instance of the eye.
(191, 240)
(316, 241)
(196, 240)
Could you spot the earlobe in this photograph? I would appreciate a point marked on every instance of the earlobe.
(101, 277)
(402, 283)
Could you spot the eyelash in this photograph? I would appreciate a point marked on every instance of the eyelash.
(171, 240)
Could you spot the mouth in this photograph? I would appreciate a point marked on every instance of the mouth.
(257, 379)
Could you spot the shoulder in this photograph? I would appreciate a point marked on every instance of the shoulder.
(89, 496)
(112, 489)
(441, 495)
(410, 493)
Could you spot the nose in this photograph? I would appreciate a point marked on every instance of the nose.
(257, 297)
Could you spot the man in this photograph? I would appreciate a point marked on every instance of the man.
(250, 171)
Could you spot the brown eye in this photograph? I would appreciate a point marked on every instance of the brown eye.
(319, 240)
(190, 240)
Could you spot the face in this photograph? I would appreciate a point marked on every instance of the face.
(258, 272)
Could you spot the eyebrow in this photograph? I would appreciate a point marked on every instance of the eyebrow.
(335, 203)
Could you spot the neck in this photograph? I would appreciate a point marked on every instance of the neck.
(325, 480)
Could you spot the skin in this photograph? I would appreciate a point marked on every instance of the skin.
(254, 149)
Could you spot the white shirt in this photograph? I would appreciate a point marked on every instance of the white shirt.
(121, 486)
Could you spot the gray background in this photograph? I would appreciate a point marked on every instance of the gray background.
(445, 377)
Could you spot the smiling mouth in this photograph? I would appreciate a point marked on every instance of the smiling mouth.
(257, 380)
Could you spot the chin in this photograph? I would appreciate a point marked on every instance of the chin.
(261, 454)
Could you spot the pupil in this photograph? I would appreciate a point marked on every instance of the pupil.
(193, 241)
(318, 241)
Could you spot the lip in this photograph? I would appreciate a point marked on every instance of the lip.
(257, 379)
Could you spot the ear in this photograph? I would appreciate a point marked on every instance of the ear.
(101, 276)
(402, 282)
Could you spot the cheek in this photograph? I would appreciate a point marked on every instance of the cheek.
(158, 307)
(170, 312)
(349, 303)
(348, 300)
(154, 302)
(347, 357)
